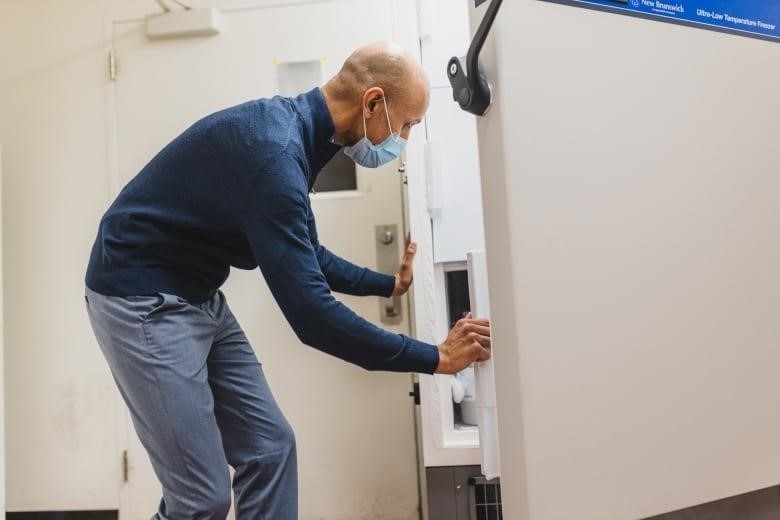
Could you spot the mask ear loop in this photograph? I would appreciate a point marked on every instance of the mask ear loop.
(365, 129)
(387, 114)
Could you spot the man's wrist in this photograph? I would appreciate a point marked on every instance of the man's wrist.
(443, 367)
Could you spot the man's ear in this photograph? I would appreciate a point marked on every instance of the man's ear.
(372, 99)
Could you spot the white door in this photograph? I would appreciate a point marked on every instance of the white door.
(354, 429)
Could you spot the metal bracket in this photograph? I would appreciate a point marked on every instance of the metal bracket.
(415, 393)
(470, 87)
(388, 263)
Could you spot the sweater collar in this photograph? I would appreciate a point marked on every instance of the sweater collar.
(317, 129)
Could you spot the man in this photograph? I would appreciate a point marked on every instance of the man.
(232, 190)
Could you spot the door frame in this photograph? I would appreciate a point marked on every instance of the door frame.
(443, 445)
(2, 355)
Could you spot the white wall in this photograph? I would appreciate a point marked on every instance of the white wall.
(631, 173)
(452, 165)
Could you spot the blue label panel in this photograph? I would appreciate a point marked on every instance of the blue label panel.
(757, 18)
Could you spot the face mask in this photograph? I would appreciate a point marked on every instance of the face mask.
(365, 153)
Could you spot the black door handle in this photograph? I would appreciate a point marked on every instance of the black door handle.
(470, 87)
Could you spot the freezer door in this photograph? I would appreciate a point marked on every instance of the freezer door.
(485, 383)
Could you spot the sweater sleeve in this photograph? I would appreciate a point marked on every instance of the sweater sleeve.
(347, 278)
(276, 227)
(344, 276)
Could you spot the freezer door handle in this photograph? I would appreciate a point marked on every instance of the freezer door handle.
(470, 87)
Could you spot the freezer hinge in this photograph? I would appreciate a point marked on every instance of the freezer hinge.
(125, 467)
(112, 65)
(415, 393)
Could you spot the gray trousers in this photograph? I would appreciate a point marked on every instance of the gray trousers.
(199, 402)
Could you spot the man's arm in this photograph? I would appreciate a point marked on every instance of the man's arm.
(276, 227)
(347, 278)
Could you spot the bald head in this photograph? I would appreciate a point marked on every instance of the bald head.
(375, 74)
(385, 65)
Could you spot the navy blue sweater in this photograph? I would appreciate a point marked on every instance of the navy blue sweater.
(233, 190)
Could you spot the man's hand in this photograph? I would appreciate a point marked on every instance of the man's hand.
(403, 278)
(468, 341)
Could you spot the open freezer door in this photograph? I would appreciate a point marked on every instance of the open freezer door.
(485, 387)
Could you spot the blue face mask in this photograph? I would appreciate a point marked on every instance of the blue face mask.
(365, 153)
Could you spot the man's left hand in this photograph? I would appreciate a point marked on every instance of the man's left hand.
(403, 278)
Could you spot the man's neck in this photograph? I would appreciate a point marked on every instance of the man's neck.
(343, 111)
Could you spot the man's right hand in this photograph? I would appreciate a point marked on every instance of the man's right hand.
(468, 341)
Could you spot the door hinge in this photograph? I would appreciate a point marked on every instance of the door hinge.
(112, 65)
(125, 467)
(415, 393)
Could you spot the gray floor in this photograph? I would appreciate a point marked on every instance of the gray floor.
(759, 505)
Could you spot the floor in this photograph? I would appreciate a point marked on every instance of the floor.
(758, 505)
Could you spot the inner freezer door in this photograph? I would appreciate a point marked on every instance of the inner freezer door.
(485, 387)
